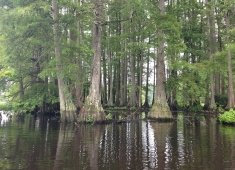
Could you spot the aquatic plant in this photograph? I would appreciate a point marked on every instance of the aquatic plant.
(227, 117)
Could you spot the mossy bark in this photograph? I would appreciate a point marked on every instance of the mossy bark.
(91, 112)
(160, 111)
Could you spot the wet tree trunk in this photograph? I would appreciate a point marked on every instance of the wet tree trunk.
(93, 110)
(160, 108)
(67, 108)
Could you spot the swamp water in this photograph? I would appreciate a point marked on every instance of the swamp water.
(190, 143)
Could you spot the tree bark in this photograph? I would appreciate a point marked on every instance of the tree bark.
(160, 108)
(117, 83)
(211, 51)
(231, 98)
(76, 38)
(123, 87)
(133, 96)
(140, 78)
(146, 102)
(93, 110)
(104, 79)
(67, 108)
(110, 81)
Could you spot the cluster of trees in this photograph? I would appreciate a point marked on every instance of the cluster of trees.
(87, 54)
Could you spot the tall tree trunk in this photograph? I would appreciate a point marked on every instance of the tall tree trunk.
(122, 83)
(76, 37)
(211, 51)
(132, 58)
(219, 78)
(123, 101)
(93, 110)
(67, 108)
(104, 98)
(160, 108)
(231, 99)
(123, 88)
(173, 91)
(117, 83)
(146, 102)
(133, 97)
(119, 55)
(110, 81)
(140, 78)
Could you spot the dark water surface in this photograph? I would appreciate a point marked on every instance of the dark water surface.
(197, 143)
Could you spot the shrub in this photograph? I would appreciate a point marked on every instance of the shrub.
(227, 117)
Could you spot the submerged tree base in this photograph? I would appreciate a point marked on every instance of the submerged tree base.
(160, 112)
(91, 113)
(68, 116)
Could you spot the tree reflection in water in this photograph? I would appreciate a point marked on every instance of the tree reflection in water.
(190, 143)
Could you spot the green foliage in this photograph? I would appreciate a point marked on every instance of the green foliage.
(196, 107)
(89, 119)
(109, 116)
(227, 117)
(5, 106)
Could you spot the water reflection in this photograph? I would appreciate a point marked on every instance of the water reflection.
(162, 143)
(5, 116)
(149, 150)
(189, 143)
